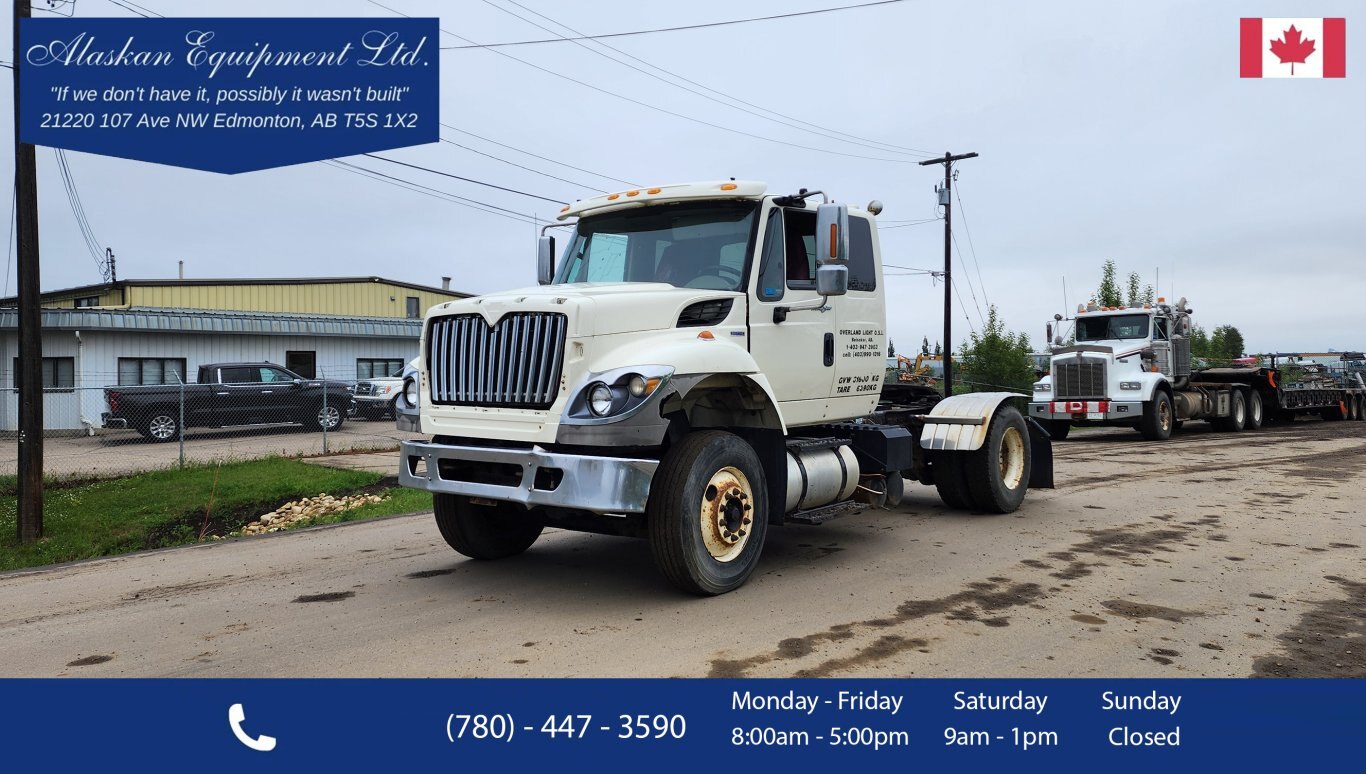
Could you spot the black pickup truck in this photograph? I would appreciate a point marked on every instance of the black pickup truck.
(229, 395)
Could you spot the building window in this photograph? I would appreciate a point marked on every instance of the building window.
(151, 370)
(87, 301)
(59, 373)
(304, 363)
(414, 308)
(378, 367)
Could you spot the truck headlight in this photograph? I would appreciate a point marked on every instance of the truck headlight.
(410, 392)
(600, 399)
(1043, 387)
(1130, 386)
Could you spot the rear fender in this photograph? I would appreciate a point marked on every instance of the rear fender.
(959, 423)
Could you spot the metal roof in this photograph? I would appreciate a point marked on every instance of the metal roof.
(153, 283)
(221, 322)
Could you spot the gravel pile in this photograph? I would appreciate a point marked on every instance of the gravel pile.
(289, 514)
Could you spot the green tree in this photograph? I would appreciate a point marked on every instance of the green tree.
(996, 359)
(1138, 294)
(891, 348)
(1233, 341)
(1199, 342)
(925, 346)
(1217, 350)
(1108, 294)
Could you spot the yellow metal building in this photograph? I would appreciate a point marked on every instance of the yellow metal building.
(343, 296)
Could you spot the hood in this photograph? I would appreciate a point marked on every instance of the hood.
(594, 309)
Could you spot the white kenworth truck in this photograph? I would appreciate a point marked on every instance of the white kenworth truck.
(1132, 366)
(705, 362)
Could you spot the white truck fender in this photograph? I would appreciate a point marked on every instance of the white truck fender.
(960, 422)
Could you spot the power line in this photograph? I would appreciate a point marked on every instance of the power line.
(130, 9)
(909, 223)
(962, 213)
(542, 158)
(519, 166)
(679, 28)
(656, 108)
(465, 179)
(78, 209)
(972, 292)
(817, 130)
(436, 193)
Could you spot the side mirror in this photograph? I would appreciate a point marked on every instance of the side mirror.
(832, 280)
(545, 259)
(832, 234)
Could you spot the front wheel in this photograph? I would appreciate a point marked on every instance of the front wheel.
(1157, 418)
(485, 531)
(707, 514)
(997, 474)
(329, 417)
(1059, 428)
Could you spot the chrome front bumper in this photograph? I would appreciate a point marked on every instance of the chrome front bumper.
(580, 482)
(1088, 410)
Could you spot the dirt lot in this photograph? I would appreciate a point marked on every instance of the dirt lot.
(1211, 555)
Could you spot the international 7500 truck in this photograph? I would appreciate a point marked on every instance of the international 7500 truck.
(705, 361)
(1132, 365)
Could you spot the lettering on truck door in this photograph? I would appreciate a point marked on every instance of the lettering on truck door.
(860, 337)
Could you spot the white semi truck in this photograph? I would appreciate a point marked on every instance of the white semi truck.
(1132, 366)
(706, 361)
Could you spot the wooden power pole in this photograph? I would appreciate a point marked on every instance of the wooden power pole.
(30, 376)
(946, 195)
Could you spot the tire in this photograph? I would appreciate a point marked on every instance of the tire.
(1178, 424)
(707, 515)
(997, 474)
(1237, 414)
(1058, 429)
(485, 531)
(161, 427)
(1256, 413)
(1157, 421)
(330, 414)
(1361, 408)
(950, 479)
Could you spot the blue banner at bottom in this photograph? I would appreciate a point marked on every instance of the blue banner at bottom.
(675, 725)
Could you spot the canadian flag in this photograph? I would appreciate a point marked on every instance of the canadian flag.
(1293, 48)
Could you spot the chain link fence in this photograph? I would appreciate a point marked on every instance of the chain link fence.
(115, 429)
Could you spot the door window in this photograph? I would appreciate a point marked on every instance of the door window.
(800, 240)
(772, 266)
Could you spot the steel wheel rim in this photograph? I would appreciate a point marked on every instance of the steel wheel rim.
(328, 416)
(1164, 414)
(1240, 415)
(1012, 458)
(161, 428)
(1256, 410)
(726, 514)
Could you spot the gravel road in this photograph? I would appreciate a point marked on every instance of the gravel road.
(1211, 555)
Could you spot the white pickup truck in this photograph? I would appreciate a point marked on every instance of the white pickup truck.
(706, 361)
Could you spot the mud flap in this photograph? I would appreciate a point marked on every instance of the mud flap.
(1040, 456)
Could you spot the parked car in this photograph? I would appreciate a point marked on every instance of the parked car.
(229, 395)
(375, 397)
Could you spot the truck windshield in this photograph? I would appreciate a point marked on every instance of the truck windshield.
(1121, 326)
(688, 245)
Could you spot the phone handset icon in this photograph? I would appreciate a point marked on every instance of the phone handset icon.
(236, 715)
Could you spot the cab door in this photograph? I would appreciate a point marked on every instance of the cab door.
(794, 349)
(860, 335)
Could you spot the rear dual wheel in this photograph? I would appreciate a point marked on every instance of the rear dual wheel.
(1237, 414)
(993, 478)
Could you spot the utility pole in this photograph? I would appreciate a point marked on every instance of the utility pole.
(946, 199)
(30, 317)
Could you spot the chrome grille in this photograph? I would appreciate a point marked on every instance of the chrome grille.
(1079, 378)
(364, 388)
(514, 364)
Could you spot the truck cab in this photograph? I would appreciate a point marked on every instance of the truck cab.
(701, 361)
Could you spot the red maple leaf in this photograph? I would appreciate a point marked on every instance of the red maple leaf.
(1292, 48)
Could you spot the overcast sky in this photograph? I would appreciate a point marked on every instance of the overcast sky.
(1106, 130)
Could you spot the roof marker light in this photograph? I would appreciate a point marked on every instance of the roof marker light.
(633, 193)
(613, 197)
(653, 191)
(728, 186)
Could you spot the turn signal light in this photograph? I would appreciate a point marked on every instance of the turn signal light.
(728, 186)
(834, 240)
(706, 336)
